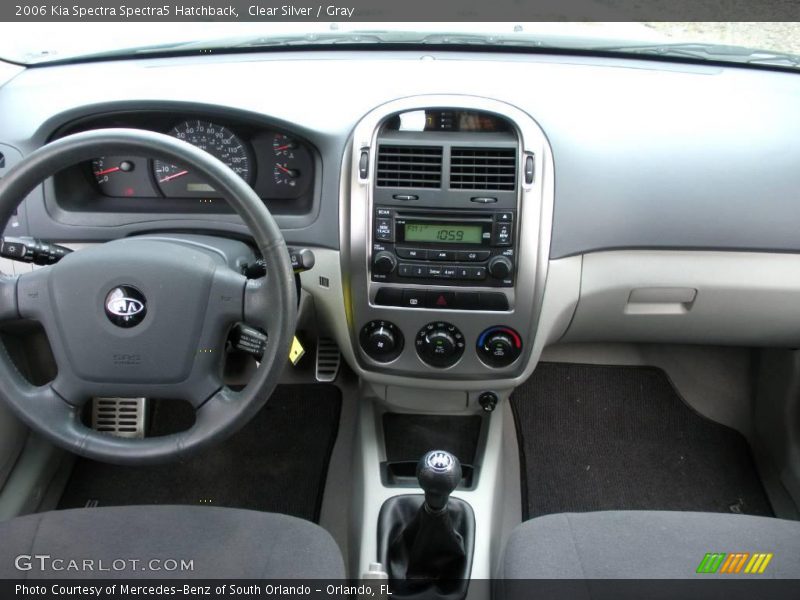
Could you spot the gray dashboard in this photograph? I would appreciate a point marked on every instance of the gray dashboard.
(646, 154)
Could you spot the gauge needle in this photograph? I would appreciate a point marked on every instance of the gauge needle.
(173, 176)
(106, 171)
(284, 147)
(290, 172)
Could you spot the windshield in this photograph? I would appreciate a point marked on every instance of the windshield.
(756, 43)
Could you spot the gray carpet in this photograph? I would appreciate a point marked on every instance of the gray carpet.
(621, 438)
(277, 463)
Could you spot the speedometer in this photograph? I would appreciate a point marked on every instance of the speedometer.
(220, 142)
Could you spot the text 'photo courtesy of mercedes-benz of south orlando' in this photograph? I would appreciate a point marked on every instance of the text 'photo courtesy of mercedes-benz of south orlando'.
(446, 300)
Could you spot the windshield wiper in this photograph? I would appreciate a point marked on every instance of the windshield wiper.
(720, 52)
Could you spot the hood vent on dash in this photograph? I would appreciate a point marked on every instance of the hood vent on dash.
(409, 166)
(483, 169)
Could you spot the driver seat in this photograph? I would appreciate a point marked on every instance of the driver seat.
(220, 543)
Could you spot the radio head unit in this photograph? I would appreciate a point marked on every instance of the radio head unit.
(434, 247)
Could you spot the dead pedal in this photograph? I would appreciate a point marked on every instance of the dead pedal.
(329, 359)
(122, 417)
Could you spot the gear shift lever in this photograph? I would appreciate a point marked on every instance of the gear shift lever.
(426, 542)
(438, 473)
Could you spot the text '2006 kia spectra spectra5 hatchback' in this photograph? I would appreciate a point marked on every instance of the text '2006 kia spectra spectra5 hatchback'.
(423, 309)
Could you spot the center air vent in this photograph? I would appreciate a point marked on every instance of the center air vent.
(409, 166)
(483, 168)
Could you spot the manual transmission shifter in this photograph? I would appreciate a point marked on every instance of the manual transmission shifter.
(426, 542)
(438, 473)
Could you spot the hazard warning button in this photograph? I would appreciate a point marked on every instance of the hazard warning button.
(440, 299)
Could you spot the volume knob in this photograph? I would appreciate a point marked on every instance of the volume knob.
(384, 262)
(500, 267)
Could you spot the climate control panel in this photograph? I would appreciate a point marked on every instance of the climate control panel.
(441, 344)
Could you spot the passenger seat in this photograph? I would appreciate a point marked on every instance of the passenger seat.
(651, 544)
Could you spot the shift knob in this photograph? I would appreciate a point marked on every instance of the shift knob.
(438, 473)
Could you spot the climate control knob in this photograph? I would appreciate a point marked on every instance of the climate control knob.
(500, 267)
(499, 346)
(440, 344)
(381, 340)
(384, 262)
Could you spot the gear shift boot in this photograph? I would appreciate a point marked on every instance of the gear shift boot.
(426, 552)
(426, 541)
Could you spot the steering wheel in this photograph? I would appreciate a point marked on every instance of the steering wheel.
(144, 317)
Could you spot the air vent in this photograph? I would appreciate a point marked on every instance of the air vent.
(483, 169)
(409, 166)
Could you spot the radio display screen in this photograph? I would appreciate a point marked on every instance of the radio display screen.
(447, 233)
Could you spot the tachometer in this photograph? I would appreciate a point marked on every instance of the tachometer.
(123, 176)
(219, 141)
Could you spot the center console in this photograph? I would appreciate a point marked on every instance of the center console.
(445, 235)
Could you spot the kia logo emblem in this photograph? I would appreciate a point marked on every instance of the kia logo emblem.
(125, 306)
(440, 461)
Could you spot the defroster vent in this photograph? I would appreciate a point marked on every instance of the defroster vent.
(483, 168)
(409, 166)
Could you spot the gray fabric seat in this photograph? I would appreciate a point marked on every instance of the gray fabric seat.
(644, 544)
(220, 542)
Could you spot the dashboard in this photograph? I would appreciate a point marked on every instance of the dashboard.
(465, 209)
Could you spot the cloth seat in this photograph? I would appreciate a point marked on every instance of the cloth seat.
(220, 543)
(645, 545)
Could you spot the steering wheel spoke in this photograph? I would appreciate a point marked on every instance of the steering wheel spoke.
(202, 389)
(8, 298)
(260, 304)
(24, 296)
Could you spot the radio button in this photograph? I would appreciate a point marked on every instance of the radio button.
(405, 270)
(434, 271)
(473, 255)
(419, 271)
(477, 272)
(384, 230)
(505, 216)
(449, 272)
(502, 234)
(463, 272)
(383, 212)
(441, 255)
(415, 253)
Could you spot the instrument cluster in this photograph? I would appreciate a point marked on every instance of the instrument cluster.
(276, 164)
